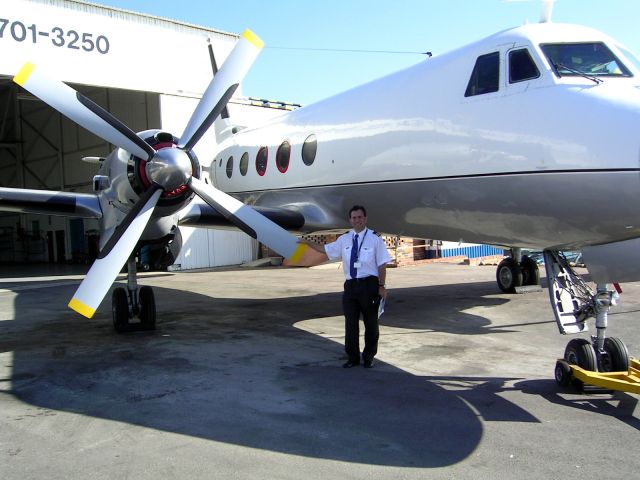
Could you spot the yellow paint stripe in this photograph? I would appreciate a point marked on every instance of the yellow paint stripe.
(299, 253)
(24, 73)
(81, 308)
(253, 38)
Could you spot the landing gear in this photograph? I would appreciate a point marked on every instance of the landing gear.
(131, 302)
(512, 273)
(615, 357)
(530, 271)
(509, 275)
(573, 303)
(120, 310)
(147, 313)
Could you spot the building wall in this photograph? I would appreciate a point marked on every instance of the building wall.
(39, 148)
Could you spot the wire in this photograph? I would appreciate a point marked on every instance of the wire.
(341, 50)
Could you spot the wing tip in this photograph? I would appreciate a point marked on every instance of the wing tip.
(84, 310)
(23, 75)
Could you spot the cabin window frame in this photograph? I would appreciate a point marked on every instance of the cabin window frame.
(478, 84)
(532, 62)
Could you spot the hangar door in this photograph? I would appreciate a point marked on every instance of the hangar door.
(42, 149)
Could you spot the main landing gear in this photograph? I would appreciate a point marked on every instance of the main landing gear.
(133, 302)
(512, 273)
(573, 303)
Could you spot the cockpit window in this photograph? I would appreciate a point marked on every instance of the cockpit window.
(485, 77)
(521, 66)
(592, 59)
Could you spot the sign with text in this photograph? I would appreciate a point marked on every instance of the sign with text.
(92, 45)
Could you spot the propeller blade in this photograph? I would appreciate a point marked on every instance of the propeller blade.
(114, 255)
(81, 110)
(251, 222)
(221, 88)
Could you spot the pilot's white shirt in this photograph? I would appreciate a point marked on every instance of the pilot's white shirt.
(373, 252)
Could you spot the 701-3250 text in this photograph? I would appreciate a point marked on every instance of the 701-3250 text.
(20, 32)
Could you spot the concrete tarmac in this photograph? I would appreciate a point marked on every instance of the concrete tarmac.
(243, 380)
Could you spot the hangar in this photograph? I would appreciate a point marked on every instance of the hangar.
(115, 58)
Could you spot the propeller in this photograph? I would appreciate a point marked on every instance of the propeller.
(81, 110)
(167, 168)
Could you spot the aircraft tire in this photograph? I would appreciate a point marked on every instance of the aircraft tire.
(120, 310)
(147, 308)
(563, 373)
(617, 358)
(509, 275)
(580, 352)
(530, 271)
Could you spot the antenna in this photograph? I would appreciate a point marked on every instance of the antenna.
(547, 9)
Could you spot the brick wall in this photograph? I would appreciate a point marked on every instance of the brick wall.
(403, 250)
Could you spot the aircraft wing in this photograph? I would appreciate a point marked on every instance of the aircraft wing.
(200, 214)
(50, 202)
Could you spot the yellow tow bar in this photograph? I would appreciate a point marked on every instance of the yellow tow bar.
(623, 381)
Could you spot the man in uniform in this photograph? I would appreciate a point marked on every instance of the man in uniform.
(364, 260)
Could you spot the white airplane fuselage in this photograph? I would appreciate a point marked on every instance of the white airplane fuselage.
(550, 162)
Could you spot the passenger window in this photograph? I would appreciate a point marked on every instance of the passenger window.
(521, 66)
(282, 156)
(261, 160)
(485, 77)
(230, 167)
(244, 163)
(309, 149)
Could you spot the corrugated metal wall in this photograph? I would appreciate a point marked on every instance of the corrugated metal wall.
(204, 248)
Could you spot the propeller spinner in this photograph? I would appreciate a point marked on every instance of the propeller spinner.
(168, 168)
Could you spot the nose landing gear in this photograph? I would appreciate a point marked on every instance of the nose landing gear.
(133, 302)
(602, 362)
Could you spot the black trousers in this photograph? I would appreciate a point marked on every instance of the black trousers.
(361, 297)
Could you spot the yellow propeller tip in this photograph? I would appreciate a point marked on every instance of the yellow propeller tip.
(253, 38)
(24, 73)
(81, 308)
(299, 252)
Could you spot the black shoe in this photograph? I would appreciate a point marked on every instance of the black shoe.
(350, 364)
(368, 364)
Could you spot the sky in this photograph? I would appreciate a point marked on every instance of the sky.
(304, 59)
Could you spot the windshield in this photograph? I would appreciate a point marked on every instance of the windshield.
(593, 59)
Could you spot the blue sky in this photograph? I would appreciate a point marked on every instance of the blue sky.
(305, 75)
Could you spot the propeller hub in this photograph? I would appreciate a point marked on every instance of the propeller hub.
(170, 168)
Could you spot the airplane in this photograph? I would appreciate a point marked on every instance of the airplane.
(524, 139)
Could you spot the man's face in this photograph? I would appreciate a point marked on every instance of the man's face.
(358, 220)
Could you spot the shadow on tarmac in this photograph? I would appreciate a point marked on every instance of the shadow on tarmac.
(618, 405)
(238, 371)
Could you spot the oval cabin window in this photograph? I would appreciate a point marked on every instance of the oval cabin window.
(282, 156)
(244, 163)
(230, 167)
(309, 149)
(261, 160)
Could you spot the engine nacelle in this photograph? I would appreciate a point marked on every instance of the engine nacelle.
(171, 201)
(159, 254)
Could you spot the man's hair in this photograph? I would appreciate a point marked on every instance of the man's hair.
(358, 207)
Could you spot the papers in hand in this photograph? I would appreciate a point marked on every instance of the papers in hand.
(381, 307)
